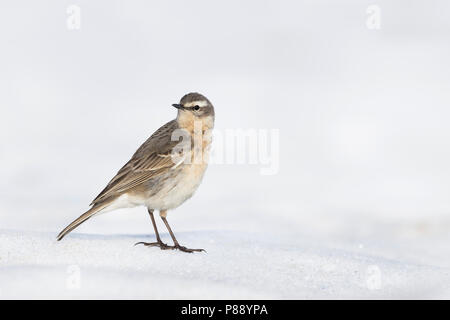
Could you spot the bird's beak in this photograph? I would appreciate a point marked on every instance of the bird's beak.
(178, 106)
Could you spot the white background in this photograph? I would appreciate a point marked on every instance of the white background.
(364, 139)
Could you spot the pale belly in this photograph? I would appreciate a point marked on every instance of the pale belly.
(171, 191)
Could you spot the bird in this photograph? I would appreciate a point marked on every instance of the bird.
(165, 170)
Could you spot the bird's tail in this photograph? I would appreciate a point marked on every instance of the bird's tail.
(85, 216)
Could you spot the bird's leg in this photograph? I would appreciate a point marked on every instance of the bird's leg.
(177, 245)
(158, 242)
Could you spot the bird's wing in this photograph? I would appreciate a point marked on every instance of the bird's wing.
(150, 160)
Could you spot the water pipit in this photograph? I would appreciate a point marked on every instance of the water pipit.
(164, 172)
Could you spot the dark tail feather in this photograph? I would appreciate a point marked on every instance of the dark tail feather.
(85, 216)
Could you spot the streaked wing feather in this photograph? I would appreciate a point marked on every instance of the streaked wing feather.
(150, 160)
(133, 176)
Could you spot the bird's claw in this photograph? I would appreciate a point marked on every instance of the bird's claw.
(164, 246)
(184, 249)
(159, 244)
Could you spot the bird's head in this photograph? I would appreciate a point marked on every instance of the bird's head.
(194, 107)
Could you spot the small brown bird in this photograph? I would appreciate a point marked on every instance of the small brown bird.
(164, 172)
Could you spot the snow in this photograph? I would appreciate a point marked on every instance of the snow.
(237, 265)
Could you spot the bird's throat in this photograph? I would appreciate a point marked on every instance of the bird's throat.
(192, 124)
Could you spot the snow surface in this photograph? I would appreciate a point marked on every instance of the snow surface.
(237, 265)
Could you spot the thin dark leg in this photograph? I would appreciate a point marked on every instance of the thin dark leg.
(177, 245)
(158, 242)
(154, 225)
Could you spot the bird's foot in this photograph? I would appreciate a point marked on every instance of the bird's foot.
(184, 249)
(159, 244)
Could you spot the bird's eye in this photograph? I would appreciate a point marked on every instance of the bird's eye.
(196, 107)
